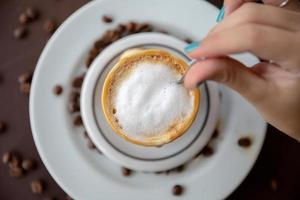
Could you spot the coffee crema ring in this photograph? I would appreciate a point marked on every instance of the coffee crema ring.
(172, 129)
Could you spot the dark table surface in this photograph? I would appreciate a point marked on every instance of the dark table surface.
(279, 160)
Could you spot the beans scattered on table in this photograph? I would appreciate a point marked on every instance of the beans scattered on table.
(25, 88)
(20, 32)
(32, 13)
(37, 187)
(49, 26)
(28, 164)
(23, 19)
(6, 158)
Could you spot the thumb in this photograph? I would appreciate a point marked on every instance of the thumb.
(229, 72)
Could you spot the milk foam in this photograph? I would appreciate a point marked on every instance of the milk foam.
(149, 100)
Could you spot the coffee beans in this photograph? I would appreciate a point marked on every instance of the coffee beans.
(25, 78)
(32, 13)
(74, 96)
(177, 190)
(244, 142)
(3, 126)
(57, 90)
(90, 143)
(77, 82)
(77, 121)
(49, 26)
(25, 88)
(207, 151)
(14, 161)
(16, 172)
(106, 19)
(37, 187)
(20, 32)
(23, 19)
(131, 27)
(6, 158)
(126, 171)
(274, 185)
(215, 134)
(28, 164)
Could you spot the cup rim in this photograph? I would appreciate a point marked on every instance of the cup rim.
(154, 140)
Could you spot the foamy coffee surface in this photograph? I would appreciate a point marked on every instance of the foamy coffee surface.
(149, 102)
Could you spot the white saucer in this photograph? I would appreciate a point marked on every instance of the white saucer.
(131, 155)
(86, 175)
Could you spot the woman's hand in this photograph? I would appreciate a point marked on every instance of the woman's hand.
(270, 33)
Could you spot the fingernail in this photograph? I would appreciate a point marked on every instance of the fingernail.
(221, 14)
(191, 47)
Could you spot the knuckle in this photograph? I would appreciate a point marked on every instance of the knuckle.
(252, 36)
(250, 9)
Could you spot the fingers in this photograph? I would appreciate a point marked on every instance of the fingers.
(266, 42)
(260, 14)
(229, 72)
(232, 5)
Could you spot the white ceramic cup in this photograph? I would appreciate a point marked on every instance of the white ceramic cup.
(131, 155)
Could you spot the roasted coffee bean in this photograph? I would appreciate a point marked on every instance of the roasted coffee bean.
(207, 151)
(131, 27)
(177, 190)
(74, 96)
(144, 27)
(25, 77)
(3, 127)
(121, 28)
(274, 185)
(179, 168)
(90, 144)
(25, 88)
(89, 61)
(16, 172)
(49, 26)
(6, 157)
(23, 19)
(244, 142)
(77, 120)
(107, 19)
(77, 82)
(73, 107)
(14, 161)
(94, 52)
(57, 90)
(20, 32)
(126, 171)
(215, 134)
(99, 44)
(37, 187)
(32, 13)
(28, 164)
(188, 40)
